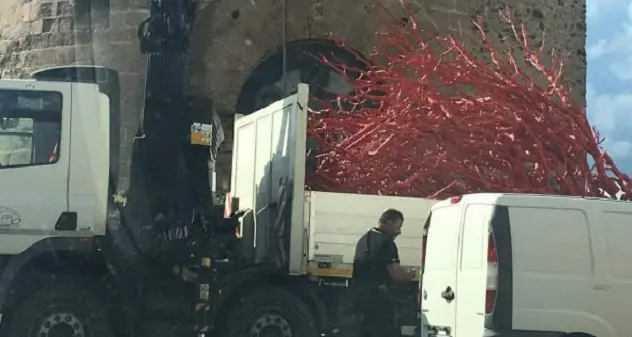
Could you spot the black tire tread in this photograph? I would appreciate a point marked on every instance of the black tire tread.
(68, 288)
(294, 310)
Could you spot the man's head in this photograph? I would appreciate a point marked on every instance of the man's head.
(391, 222)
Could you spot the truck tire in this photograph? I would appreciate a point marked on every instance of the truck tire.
(271, 312)
(62, 306)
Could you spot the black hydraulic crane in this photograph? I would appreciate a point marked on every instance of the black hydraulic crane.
(178, 170)
(165, 39)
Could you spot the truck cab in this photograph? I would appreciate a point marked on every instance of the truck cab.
(52, 159)
(55, 164)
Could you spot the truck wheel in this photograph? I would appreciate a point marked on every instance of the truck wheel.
(271, 312)
(60, 308)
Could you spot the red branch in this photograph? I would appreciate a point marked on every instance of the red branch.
(430, 119)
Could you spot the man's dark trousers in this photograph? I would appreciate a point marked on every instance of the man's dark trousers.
(377, 316)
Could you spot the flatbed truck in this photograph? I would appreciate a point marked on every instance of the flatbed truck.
(79, 258)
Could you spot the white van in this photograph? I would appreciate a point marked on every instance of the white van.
(528, 265)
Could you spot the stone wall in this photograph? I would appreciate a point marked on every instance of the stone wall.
(232, 36)
(35, 34)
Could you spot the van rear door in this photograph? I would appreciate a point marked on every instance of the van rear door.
(476, 272)
(439, 301)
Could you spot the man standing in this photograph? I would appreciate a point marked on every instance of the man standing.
(375, 268)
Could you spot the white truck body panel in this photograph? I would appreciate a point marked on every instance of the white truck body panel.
(35, 195)
(266, 150)
(269, 146)
(564, 266)
(337, 220)
(89, 171)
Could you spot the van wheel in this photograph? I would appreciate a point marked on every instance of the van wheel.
(271, 312)
(61, 307)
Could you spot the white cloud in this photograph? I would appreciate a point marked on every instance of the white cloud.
(620, 36)
(609, 93)
(596, 7)
(621, 149)
(618, 49)
(611, 112)
(622, 68)
(597, 50)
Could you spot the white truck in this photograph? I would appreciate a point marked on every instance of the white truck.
(79, 259)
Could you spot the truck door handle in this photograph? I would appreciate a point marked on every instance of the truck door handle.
(448, 294)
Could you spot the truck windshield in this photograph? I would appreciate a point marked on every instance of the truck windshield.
(30, 127)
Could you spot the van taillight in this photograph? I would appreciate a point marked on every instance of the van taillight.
(492, 274)
(424, 241)
(456, 199)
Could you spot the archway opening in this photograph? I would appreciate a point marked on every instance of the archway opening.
(265, 83)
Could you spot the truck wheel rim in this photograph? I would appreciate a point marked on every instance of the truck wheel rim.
(62, 324)
(270, 325)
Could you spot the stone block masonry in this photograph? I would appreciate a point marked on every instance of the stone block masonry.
(35, 34)
(232, 37)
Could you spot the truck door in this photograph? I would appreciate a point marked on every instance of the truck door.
(34, 136)
(439, 300)
(472, 273)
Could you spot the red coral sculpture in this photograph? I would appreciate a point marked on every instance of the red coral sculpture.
(429, 119)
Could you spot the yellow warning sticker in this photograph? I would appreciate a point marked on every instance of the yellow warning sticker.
(201, 134)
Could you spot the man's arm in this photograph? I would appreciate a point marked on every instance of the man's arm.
(396, 271)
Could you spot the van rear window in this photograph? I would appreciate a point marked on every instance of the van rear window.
(442, 237)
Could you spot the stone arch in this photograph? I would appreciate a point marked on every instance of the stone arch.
(232, 37)
(265, 83)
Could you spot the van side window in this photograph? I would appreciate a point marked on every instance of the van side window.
(30, 128)
(551, 241)
(618, 231)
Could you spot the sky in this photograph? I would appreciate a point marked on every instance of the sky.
(609, 85)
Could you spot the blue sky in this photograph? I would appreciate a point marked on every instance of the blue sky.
(609, 88)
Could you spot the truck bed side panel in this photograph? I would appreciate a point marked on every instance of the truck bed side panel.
(268, 156)
(338, 220)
